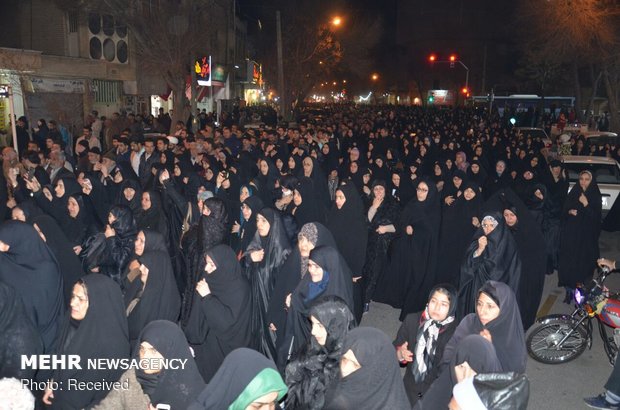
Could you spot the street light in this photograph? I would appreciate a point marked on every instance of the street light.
(375, 77)
(336, 21)
(432, 58)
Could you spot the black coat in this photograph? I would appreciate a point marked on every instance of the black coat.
(220, 321)
(579, 247)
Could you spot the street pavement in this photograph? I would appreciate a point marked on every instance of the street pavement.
(552, 387)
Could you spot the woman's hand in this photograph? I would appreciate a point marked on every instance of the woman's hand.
(202, 287)
(381, 230)
(449, 200)
(164, 176)
(482, 244)
(487, 335)
(403, 354)
(109, 231)
(48, 396)
(236, 227)
(144, 273)
(134, 264)
(602, 262)
(572, 212)
(287, 301)
(258, 255)
(33, 184)
(77, 249)
(583, 199)
(539, 194)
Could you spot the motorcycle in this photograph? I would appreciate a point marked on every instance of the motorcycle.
(560, 338)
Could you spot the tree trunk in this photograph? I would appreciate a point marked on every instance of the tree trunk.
(577, 85)
(614, 121)
(596, 81)
(178, 103)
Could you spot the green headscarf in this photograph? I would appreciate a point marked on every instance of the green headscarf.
(267, 381)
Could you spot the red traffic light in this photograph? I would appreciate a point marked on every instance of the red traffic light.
(432, 58)
(452, 58)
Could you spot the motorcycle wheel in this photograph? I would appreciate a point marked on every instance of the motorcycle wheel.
(543, 342)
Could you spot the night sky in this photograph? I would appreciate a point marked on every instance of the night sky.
(410, 31)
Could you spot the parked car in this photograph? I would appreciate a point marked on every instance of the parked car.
(606, 172)
(600, 138)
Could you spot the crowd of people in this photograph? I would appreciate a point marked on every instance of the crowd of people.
(254, 254)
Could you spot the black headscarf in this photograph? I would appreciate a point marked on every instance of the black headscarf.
(154, 241)
(457, 229)
(336, 282)
(59, 244)
(314, 372)
(267, 183)
(377, 384)
(176, 387)
(579, 248)
(135, 203)
(500, 262)
(412, 268)
(158, 299)
(309, 210)
(262, 275)
(506, 330)
(220, 321)
(479, 354)
(248, 228)
(349, 222)
(31, 268)
(102, 334)
(244, 372)
(154, 217)
(532, 252)
(18, 337)
(319, 181)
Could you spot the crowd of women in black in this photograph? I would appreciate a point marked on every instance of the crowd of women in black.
(277, 240)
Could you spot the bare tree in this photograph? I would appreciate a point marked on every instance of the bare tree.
(576, 33)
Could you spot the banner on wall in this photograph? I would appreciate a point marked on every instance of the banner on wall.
(53, 85)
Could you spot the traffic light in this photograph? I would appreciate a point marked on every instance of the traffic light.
(432, 58)
(431, 99)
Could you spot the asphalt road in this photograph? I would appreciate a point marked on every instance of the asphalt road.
(552, 387)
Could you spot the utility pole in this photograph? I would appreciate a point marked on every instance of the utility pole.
(484, 70)
(6, 91)
(193, 96)
(283, 95)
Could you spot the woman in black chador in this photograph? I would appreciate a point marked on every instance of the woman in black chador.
(381, 216)
(370, 377)
(347, 225)
(410, 274)
(459, 222)
(153, 295)
(59, 244)
(95, 328)
(219, 321)
(492, 255)
(263, 259)
(30, 268)
(177, 388)
(316, 370)
(531, 245)
(581, 227)
(18, 337)
(328, 275)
